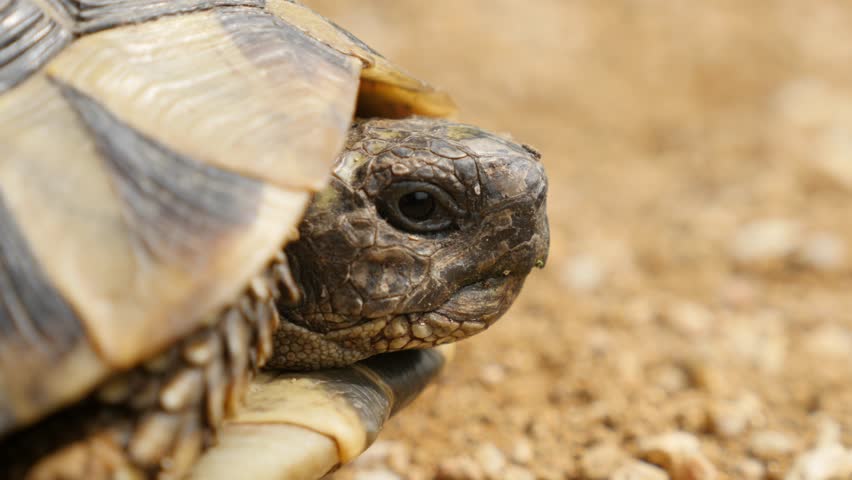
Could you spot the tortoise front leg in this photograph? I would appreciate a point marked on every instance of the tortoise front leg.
(297, 426)
(301, 426)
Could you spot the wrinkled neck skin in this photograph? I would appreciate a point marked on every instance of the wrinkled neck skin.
(380, 269)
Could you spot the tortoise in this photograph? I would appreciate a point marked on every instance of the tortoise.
(193, 190)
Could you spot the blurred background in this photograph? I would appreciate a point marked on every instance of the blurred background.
(696, 310)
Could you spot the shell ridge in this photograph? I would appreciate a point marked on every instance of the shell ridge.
(28, 40)
(175, 205)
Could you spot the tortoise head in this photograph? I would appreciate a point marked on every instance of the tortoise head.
(424, 236)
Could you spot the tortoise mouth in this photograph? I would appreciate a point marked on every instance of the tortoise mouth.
(470, 310)
(484, 301)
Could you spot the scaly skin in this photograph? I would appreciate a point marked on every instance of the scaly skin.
(372, 279)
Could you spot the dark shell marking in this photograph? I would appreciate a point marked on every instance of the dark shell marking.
(28, 39)
(38, 328)
(33, 315)
(176, 205)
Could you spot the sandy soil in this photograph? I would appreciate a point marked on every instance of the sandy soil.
(696, 310)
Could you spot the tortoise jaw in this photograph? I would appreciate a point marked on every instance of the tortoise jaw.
(470, 310)
(482, 302)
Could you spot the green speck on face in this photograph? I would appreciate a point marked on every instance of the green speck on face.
(324, 199)
(386, 134)
(461, 132)
(348, 164)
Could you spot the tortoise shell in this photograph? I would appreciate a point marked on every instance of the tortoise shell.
(156, 158)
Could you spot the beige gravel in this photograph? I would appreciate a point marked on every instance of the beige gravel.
(699, 283)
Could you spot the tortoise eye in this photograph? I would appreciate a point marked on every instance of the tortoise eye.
(418, 207)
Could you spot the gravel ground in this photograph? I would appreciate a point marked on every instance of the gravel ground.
(695, 317)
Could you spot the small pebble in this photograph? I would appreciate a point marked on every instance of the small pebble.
(628, 367)
(765, 240)
(459, 468)
(739, 293)
(825, 462)
(417, 473)
(583, 273)
(829, 340)
(689, 318)
(731, 418)
(376, 474)
(679, 454)
(522, 452)
(599, 462)
(835, 150)
(828, 431)
(672, 441)
(762, 339)
(599, 340)
(520, 359)
(770, 444)
(816, 123)
(671, 378)
(491, 459)
(517, 472)
(399, 458)
(706, 377)
(636, 470)
(639, 311)
(492, 374)
(823, 252)
(750, 469)
(545, 472)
